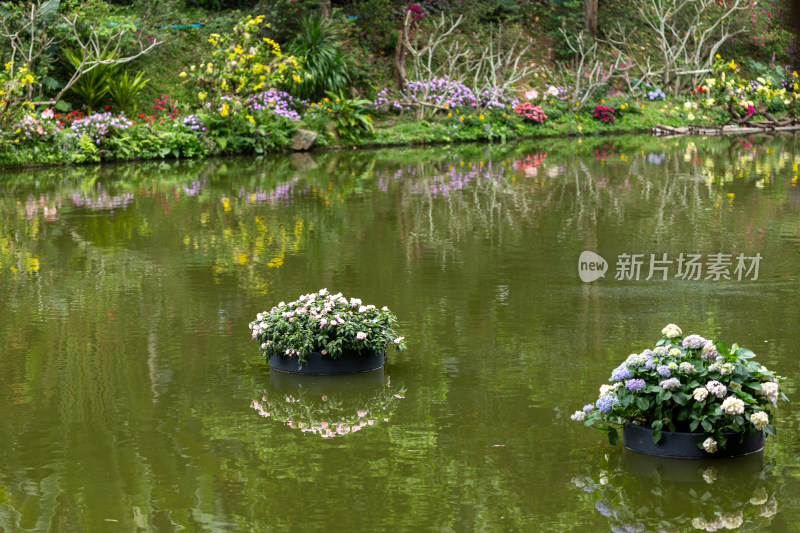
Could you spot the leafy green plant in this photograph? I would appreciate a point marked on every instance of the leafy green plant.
(123, 90)
(350, 118)
(93, 85)
(325, 66)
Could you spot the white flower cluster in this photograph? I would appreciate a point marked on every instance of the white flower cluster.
(578, 416)
(686, 367)
(700, 394)
(733, 406)
(716, 388)
(671, 331)
(770, 390)
(710, 445)
(759, 420)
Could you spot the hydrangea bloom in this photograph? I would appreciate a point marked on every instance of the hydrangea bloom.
(733, 406)
(709, 351)
(686, 367)
(716, 388)
(660, 351)
(635, 384)
(588, 407)
(671, 383)
(664, 371)
(710, 445)
(636, 359)
(693, 342)
(607, 402)
(650, 364)
(671, 331)
(674, 352)
(770, 390)
(578, 416)
(759, 420)
(620, 373)
(699, 394)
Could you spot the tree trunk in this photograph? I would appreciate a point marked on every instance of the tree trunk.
(325, 9)
(399, 70)
(590, 17)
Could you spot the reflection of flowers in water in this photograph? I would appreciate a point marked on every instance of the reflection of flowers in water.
(329, 415)
(530, 163)
(733, 496)
(282, 193)
(101, 201)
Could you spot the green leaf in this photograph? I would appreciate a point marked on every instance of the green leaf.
(744, 353)
(643, 403)
(613, 437)
(693, 425)
(769, 429)
(656, 436)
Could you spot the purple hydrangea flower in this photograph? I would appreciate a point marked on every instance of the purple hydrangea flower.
(588, 407)
(650, 364)
(634, 384)
(670, 383)
(692, 342)
(664, 371)
(606, 402)
(620, 373)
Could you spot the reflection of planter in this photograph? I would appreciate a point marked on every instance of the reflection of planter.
(328, 406)
(685, 445)
(348, 362)
(743, 471)
(319, 385)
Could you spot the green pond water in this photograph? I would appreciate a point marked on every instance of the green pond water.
(132, 397)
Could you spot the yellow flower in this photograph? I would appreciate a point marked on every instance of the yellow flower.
(602, 100)
(447, 106)
(732, 64)
(481, 116)
(224, 111)
(461, 117)
(251, 119)
(182, 75)
(718, 56)
(202, 95)
(450, 114)
(577, 104)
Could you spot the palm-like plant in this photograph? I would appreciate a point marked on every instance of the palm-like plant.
(123, 89)
(325, 66)
(92, 86)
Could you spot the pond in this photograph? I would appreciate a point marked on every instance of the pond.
(133, 397)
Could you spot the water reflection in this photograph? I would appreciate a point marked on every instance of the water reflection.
(328, 406)
(635, 492)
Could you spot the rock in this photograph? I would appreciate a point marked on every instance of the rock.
(303, 162)
(303, 139)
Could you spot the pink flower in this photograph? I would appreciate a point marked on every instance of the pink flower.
(361, 335)
(362, 412)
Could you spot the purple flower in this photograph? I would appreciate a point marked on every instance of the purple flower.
(650, 364)
(670, 383)
(634, 384)
(664, 371)
(620, 373)
(606, 402)
(693, 342)
(588, 407)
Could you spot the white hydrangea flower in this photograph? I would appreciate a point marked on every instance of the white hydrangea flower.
(759, 420)
(686, 367)
(700, 394)
(671, 331)
(710, 445)
(733, 406)
(716, 388)
(770, 390)
(578, 416)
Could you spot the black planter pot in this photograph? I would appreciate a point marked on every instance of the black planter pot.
(684, 445)
(348, 362)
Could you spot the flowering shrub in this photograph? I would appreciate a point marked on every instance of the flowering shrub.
(278, 102)
(34, 129)
(14, 85)
(242, 62)
(531, 112)
(326, 323)
(442, 92)
(604, 113)
(688, 384)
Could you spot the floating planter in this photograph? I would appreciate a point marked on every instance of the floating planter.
(326, 334)
(688, 397)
